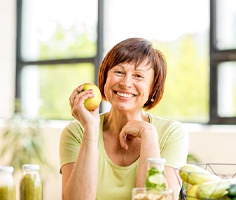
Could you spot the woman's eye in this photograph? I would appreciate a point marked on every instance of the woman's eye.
(119, 72)
(138, 76)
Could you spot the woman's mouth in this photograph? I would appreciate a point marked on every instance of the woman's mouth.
(125, 95)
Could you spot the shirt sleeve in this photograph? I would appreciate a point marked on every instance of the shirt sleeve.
(174, 144)
(70, 142)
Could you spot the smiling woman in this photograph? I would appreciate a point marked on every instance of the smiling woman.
(120, 79)
(110, 150)
(131, 54)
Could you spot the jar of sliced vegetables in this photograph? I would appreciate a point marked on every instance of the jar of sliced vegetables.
(155, 178)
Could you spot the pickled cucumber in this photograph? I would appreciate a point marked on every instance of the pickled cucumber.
(31, 187)
(7, 193)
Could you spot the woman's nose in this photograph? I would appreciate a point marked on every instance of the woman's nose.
(126, 81)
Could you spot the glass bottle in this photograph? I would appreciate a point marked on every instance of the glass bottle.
(30, 184)
(7, 183)
(155, 177)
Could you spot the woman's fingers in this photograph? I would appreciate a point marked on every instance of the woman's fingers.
(78, 102)
(128, 131)
(74, 94)
(122, 138)
(135, 129)
(78, 96)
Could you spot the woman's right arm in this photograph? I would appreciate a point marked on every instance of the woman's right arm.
(79, 179)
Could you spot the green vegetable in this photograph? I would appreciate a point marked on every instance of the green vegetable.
(7, 193)
(155, 179)
(232, 191)
(30, 187)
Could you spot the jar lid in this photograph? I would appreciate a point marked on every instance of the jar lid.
(157, 160)
(8, 169)
(31, 167)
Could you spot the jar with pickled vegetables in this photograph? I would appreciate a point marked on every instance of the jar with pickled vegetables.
(7, 183)
(155, 178)
(30, 184)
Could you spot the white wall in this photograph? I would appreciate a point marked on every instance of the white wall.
(214, 143)
(7, 57)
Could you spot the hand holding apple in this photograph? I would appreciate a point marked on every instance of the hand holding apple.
(92, 103)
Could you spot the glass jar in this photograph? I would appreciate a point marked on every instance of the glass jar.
(7, 183)
(30, 184)
(155, 178)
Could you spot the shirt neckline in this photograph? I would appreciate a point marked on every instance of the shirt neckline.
(101, 143)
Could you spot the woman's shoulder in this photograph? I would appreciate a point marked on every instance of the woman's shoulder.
(154, 119)
(165, 124)
(168, 126)
(73, 130)
(74, 125)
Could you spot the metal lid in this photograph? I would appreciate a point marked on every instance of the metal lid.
(157, 160)
(31, 167)
(6, 169)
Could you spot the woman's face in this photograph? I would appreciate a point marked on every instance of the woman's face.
(127, 88)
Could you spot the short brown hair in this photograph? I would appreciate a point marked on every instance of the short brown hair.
(136, 50)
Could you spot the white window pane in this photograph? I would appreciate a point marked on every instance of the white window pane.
(154, 19)
(226, 24)
(47, 89)
(227, 89)
(54, 29)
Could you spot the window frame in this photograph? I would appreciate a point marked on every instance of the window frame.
(217, 56)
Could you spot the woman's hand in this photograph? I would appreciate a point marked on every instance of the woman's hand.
(136, 128)
(79, 112)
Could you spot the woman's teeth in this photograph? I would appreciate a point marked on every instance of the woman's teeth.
(125, 95)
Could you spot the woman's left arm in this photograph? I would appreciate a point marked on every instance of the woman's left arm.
(150, 149)
(173, 179)
(149, 145)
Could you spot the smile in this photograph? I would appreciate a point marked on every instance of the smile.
(124, 94)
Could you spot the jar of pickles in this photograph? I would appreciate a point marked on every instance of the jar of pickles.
(30, 183)
(155, 178)
(7, 183)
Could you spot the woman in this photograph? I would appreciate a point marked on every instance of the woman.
(103, 156)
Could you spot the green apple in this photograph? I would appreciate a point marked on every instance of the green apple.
(92, 103)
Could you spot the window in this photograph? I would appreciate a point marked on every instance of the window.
(223, 62)
(60, 45)
(56, 51)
